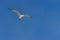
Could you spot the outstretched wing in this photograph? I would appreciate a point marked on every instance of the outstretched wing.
(16, 11)
(28, 16)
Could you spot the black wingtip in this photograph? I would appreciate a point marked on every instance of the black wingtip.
(31, 17)
(10, 8)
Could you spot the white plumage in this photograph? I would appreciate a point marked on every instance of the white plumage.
(21, 16)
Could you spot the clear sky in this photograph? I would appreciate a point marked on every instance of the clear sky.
(44, 25)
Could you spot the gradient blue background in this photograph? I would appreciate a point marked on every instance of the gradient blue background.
(44, 25)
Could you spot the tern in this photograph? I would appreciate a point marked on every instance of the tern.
(21, 16)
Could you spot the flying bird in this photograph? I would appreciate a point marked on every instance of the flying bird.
(21, 16)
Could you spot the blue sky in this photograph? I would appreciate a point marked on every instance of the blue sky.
(44, 25)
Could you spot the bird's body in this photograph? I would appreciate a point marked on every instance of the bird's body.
(21, 16)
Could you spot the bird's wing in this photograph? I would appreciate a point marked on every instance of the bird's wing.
(28, 16)
(16, 11)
